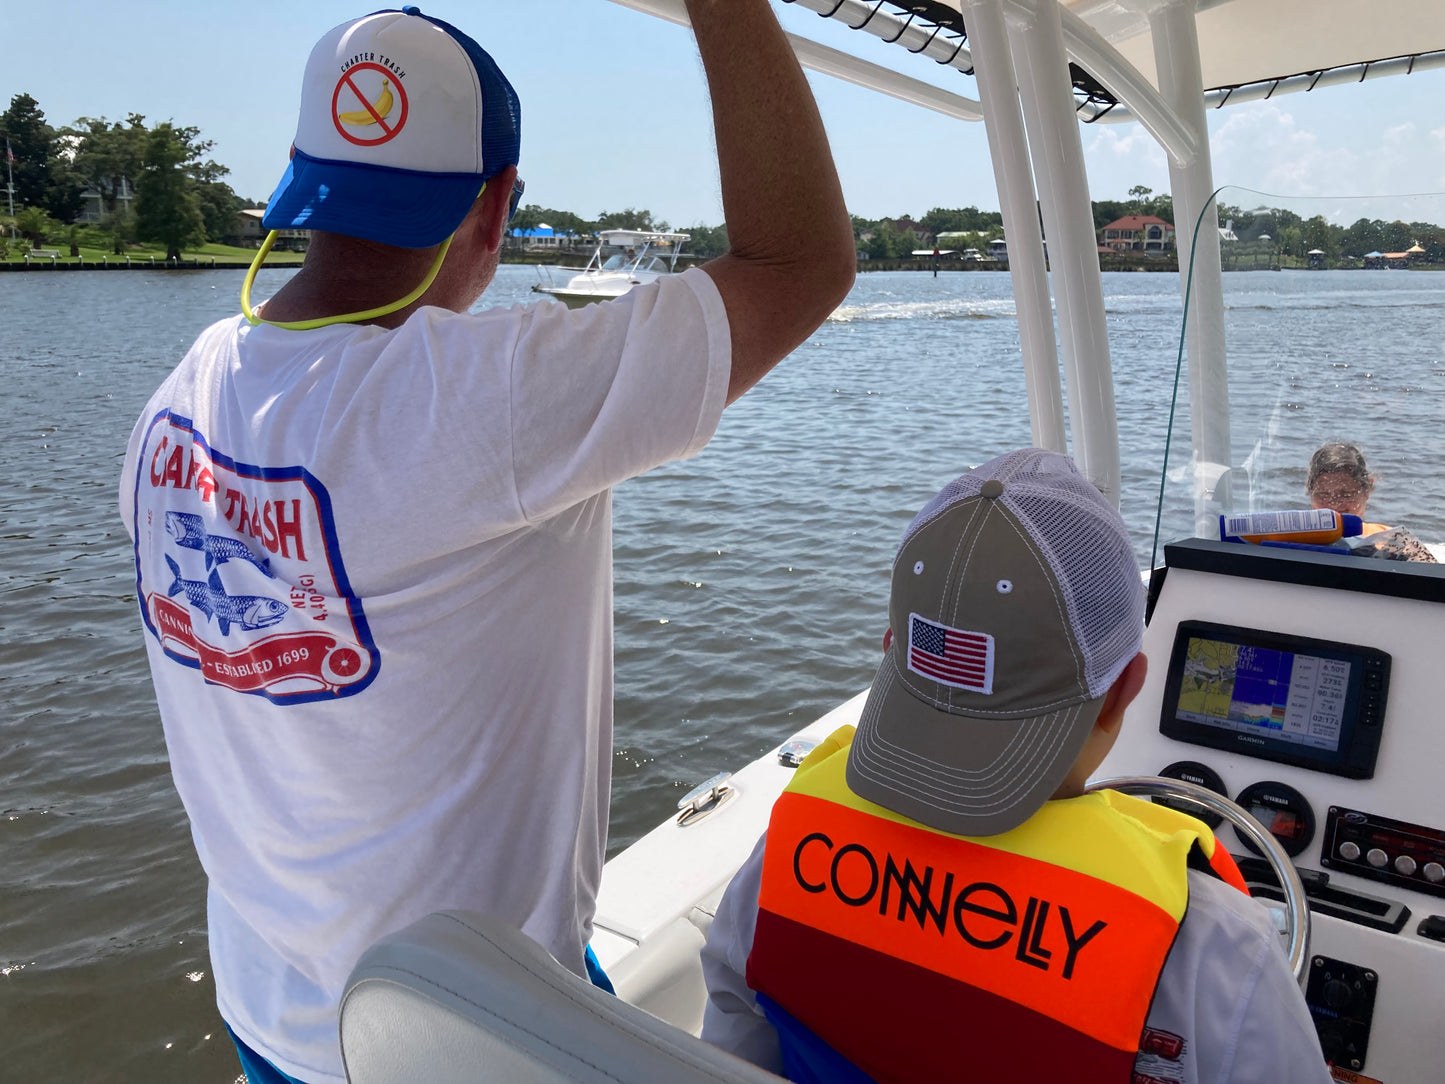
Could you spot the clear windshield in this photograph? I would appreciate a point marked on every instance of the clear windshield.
(1333, 333)
(617, 262)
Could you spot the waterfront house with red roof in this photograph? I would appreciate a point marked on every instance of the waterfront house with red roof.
(1140, 233)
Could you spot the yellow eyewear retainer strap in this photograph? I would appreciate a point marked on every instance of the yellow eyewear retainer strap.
(346, 318)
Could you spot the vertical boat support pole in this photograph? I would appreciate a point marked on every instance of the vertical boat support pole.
(1036, 35)
(1008, 147)
(1181, 83)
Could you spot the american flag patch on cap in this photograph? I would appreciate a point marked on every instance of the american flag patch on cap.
(953, 657)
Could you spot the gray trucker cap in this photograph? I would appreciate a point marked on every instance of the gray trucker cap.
(1016, 602)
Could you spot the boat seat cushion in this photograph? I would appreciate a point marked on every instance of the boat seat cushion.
(460, 997)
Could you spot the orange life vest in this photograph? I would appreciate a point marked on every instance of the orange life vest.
(920, 955)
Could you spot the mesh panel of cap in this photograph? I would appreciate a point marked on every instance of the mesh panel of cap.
(1092, 558)
(1086, 543)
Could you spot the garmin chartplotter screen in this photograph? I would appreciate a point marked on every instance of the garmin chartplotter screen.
(1314, 703)
(1255, 690)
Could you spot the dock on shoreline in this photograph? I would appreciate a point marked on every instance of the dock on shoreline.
(194, 263)
(201, 263)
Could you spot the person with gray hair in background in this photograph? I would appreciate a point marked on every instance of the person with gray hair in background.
(1338, 478)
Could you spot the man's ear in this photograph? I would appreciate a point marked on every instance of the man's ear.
(491, 216)
(1122, 693)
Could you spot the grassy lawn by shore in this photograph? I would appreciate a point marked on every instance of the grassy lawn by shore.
(143, 254)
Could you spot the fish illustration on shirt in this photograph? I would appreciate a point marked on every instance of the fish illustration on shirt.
(190, 531)
(251, 612)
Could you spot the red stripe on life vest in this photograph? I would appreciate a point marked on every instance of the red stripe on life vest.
(905, 1024)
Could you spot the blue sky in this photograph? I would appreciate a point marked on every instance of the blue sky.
(615, 109)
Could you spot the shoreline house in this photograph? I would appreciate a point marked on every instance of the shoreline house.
(964, 239)
(249, 233)
(95, 205)
(544, 238)
(1138, 233)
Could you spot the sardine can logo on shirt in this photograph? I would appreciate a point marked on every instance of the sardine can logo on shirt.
(239, 572)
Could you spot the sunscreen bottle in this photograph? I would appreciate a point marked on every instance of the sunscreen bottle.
(1312, 527)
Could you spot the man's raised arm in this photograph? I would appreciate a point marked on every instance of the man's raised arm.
(791, 258)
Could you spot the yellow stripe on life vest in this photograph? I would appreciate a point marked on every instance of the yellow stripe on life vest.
(1126, 841)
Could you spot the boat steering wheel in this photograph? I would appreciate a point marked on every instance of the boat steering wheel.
(1296, 904)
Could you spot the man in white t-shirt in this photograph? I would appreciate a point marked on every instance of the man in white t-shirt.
(373, 530)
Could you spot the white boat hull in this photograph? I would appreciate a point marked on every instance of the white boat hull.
(587, 289)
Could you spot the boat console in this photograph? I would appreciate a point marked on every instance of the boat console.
(1304, 686)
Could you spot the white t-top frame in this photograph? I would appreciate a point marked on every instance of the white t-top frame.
(1020, 50)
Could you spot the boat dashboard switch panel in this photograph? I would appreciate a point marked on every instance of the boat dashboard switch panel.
(1361, 908)
(1201, 775)
(1284, 812)
(1382, 849)
(705, 799)
(1341, 997)
(1316, 704)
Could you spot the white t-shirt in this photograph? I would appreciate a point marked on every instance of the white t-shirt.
(1226, 1010)
(375, 569)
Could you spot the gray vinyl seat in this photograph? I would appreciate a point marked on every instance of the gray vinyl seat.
(460, 998)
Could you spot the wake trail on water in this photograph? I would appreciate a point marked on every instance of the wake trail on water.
(933, 309)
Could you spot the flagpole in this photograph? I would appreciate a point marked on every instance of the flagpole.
(10, 176)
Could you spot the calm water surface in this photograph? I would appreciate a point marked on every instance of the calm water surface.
(751, 582)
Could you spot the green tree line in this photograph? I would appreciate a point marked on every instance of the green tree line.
(895, 238)
(1289, 233)
(707, 241)
(1293, 235)
(180, 198)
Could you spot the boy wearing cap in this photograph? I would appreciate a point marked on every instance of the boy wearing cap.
(937, 899)
(373, 529)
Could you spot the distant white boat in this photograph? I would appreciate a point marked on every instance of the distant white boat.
(602, 280)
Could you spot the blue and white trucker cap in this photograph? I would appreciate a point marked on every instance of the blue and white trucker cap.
(403, 119)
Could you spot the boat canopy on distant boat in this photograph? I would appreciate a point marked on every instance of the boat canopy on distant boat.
(622, 259)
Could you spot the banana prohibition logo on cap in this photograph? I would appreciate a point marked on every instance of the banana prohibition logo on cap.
(366, 116)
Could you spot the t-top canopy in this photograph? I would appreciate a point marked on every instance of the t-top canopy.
(1252, 41)
(1266, 46)
(642, 237)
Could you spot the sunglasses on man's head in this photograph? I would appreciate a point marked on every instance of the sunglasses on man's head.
(518, 187)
